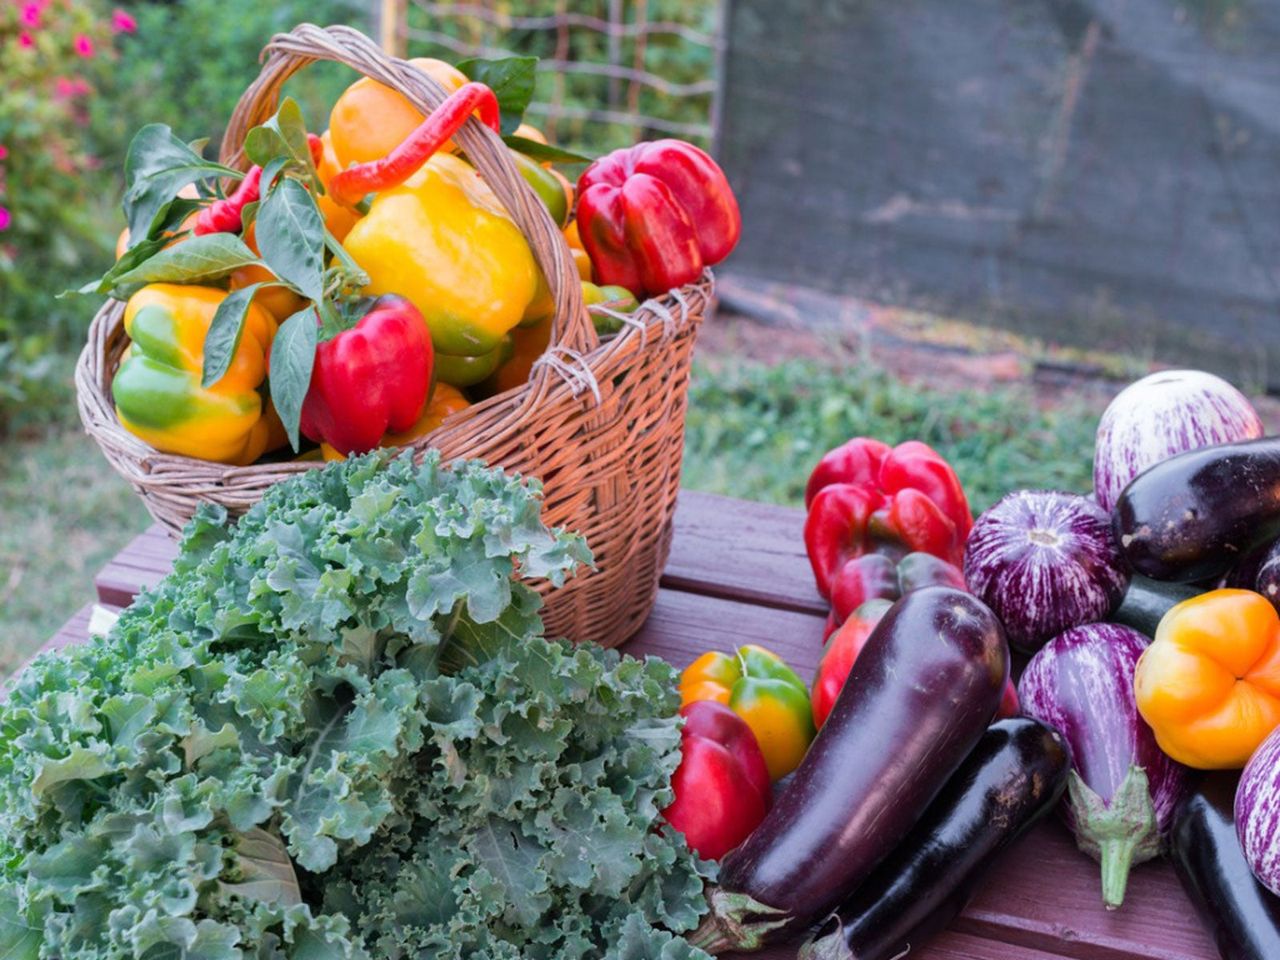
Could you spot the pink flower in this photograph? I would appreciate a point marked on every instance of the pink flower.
(84, 46)
(31, 15)
(121, 22)
(4, 152)
(26, 41)
(5, 219)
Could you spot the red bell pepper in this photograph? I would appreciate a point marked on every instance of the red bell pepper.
(722, 784)
(875, 576)
(371, 379)
(866, 498)
(845, 646)
(652, 216)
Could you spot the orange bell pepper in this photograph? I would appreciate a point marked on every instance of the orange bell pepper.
(1209, 684)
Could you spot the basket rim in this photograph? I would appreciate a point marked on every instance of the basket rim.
(655, 323)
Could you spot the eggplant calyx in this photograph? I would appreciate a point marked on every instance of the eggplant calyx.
(1116, 834)
(827, 946)
(736, 922)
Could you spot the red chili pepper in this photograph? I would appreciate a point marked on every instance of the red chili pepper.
(371, 379)
(866, 498)
(722, 784)
(652, 216)
(223, 216)
(351, 185)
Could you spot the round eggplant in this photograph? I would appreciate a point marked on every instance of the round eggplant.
(919, 697)
(1161, 416)
(1257, 810)
(1122, 790)
(1195, 516)
(1014, 776)
(1044, 561)
(1242, 915)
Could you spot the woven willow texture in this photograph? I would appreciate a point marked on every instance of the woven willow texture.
(600, 424)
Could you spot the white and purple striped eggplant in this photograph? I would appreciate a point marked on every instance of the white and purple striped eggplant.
(1045, 561)
(1162, 415)
(1123, 791)
(1258, 813)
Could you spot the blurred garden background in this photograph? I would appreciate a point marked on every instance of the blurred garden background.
(774, 387)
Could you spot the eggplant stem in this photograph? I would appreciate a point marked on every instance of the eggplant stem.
(727, 927)
(1116, 858)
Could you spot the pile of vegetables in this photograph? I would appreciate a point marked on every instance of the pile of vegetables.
(355, 288)
(336, 731)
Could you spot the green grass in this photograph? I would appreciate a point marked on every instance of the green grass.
(63, 514)
(753, 432)
(756, 432)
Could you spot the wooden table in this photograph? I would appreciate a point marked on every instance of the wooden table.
(738, 574)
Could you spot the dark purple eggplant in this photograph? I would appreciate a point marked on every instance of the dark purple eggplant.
(1260, 571)
(1241, 914)
(1014, 776)
(1122, 790)
(1044, 561)
(1192, 517)
(1147, 601)
(920, 696)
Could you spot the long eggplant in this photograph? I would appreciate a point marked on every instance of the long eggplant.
(1147, 601)
(1241, 914)
(919, 697)
(1014, 776)
(1122, 790)
(1190, 518)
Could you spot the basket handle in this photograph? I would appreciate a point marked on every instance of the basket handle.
(287, 53)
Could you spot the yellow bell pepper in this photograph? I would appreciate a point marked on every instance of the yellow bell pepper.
(760, 688)
(157, 389)
(1209, 684)
(443, 241)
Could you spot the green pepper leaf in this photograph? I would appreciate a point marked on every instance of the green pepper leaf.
(293, 356)
(225, 329)
(542, 152)
(157, 166)
(130, 260)
(194, 260)
(290, 234)
(511, 79)
(282, 138)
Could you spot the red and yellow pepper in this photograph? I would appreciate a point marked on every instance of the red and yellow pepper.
(760, 688)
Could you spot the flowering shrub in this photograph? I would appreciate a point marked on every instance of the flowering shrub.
(54, 55)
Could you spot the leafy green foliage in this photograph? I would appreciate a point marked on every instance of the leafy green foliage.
(511, 79)
(755, 431)
(335, 731)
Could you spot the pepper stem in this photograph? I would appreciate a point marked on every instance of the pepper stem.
(1117, 833)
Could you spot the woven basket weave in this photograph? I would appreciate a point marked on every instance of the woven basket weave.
(601, 424)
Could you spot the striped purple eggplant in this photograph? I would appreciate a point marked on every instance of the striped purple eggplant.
(1045, 561)
(1162, 415)
(1258, 813)
(1123, 790)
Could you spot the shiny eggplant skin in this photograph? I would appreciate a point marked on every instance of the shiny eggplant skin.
(1192, 517)
(1147, 601)
(1241, 914)
(1015, 775)
(919, 697)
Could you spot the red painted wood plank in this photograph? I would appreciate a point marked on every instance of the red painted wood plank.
(736, 548)
(949, 945)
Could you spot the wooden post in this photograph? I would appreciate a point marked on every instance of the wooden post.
(393, 25)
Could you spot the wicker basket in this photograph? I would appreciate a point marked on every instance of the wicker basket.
(601, 424)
